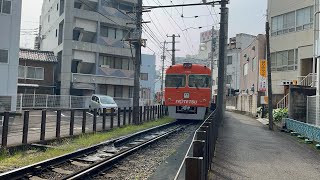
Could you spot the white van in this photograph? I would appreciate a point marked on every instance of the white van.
(100, 102)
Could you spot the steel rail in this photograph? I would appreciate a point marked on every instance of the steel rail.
(37, 167)
(104, 165)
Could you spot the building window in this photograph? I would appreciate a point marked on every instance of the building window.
(119, 34)
(125, 64)
(36, 73)
(61, 7)
(229, 60)
(111, 33)
(253, 63)
(21, 72)
(56, 32)
(131, 66)
(284, 60)
(118, 63)
(296, 59)
(304, 18)
(130, 92)
(229, 79)
(298, 20)
(4, 56)
(57, 6)
(245, 69)
(28, 72)
(104, 31)
(144, 76)
(5, 6)
(118, 91)
(107, 61)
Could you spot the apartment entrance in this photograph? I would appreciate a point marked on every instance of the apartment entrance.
(306, 66)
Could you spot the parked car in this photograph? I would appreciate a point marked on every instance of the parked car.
(100, 102)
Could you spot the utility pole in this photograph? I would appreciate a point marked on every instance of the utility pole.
(223, 37)
(162, 74)
(174, 48)
(213, 49)
(136, 90)
(269, 77)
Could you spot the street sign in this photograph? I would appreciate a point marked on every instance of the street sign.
(264, 100)
(263, 68)
(262, 75)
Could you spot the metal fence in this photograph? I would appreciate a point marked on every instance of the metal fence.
(198, 159)
(34, 126)
(313, 110)
(5, 103)
(44, 101)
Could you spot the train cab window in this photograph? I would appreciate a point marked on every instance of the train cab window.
(199, 81)
(175, 81)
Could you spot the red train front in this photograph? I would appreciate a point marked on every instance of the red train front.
(187, 88)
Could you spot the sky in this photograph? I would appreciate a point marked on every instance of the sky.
(245, 16)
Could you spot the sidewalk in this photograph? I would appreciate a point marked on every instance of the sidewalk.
(246, 149)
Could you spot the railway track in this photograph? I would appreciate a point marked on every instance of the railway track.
(91, 161)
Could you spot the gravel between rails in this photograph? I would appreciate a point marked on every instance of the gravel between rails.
(142, 164)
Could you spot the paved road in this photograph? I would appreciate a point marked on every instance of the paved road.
(246, 149)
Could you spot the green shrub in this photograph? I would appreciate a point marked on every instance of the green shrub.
(280, 113)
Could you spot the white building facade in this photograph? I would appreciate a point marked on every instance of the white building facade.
(92, 53)
(10, 18)
(291, 41)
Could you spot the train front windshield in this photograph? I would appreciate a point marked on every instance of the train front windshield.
(199, 81)
(175, 81)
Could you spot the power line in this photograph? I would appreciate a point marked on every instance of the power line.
(154, 35)
(154, 38)
(184, 26)
(93, 9)
(181, 5)
(176, 24)
(155, 25)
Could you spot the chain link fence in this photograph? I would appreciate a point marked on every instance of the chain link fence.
(313, 110)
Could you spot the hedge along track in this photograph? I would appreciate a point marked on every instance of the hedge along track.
(93, 160)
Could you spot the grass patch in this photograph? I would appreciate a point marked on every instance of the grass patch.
(19, 159)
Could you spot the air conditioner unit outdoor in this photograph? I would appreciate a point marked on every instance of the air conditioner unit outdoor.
(105, 66)
(286, 83)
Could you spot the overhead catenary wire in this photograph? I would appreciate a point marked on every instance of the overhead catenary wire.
(155, 41)
(166, 12)
(188, 35)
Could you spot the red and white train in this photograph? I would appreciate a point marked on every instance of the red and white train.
(188, 92)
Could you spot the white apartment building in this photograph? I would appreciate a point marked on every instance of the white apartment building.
(10, 18)
(291, 41)
(92, 53)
